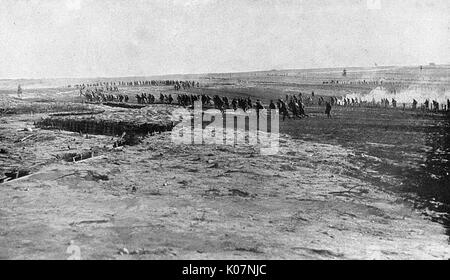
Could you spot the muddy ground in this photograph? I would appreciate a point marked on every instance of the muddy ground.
(370, 183)
(160, 200)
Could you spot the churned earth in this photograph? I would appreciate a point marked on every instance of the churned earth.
(369, 183)
(162, 200)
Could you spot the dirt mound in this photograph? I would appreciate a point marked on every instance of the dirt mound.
(112, 122)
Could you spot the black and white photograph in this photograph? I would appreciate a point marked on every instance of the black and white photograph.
(213, 130)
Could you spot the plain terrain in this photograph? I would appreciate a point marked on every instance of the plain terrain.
(370, 183)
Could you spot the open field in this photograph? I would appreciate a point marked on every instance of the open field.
(369, 183)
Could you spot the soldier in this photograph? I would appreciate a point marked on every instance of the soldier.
(19, 91)
(272, 105)
(283, 109)
(321, 100)
(294, 108)
(226, 103)
(435, 106)
(328, 109)
(249, 102)
(414, 104)
(234, 104)
(259, 106)
(301, 110)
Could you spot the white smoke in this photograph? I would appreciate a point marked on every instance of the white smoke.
(418, 92)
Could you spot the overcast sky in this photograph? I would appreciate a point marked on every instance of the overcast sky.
(92, 38)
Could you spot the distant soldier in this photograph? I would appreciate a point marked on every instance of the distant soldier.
(328, 109)
(283, 109)
(435, 106)
(249, 102)
(272, 105)
(414, 104)
(259, 106)
(394, 103)
(294, 108)
(301, 109)
(19, 91)
(321, 100)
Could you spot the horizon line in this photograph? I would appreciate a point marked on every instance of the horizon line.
(225, 73)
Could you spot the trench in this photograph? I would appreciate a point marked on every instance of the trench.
(13, 175)
(130, 133)
(104, 127)
(74, 157)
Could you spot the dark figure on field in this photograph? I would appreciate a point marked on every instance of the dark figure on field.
(272, 105)
(226, 103)
(435, 106)
(294, 107)
(19, 91)
(320, 102)
(259, 107)
(414, 104)
(328, 109)
(283, 109)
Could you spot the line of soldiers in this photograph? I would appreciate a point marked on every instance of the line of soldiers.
(185, 85)
(113, 86)
(149, 98)
(358, 82)
(291, 103)
(223, 103)
(386, 103)
(189, 99)
(98, 96)
(99, 89)
(435, 106)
